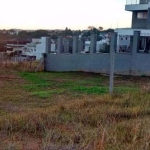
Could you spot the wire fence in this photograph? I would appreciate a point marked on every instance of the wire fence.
(5, 57)
(132, 2)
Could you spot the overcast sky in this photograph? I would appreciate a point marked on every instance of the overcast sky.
(58, 14)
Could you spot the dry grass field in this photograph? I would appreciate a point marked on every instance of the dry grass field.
(72, 110)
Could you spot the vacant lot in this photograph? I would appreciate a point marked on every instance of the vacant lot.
(72, 111)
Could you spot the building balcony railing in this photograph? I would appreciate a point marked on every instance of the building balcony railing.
(130, 2)
(133, 2)
(136, 5)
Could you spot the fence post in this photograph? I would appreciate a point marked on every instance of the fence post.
(93, 43)
(75, 44)
(66, 46)
(47, 51)
(60, 45)
(135, 48)
(48, 45)
(136, 38)
(113, 44)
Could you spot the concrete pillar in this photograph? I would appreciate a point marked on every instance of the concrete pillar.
(113, 44)
(93, 43)
(75, 44)
(66, 46)
(136, 39)
(48, 45)
(47, 51)
(135, 48)
(60, 45)
(131, 44)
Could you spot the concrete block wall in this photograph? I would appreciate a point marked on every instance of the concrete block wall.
(125, 64)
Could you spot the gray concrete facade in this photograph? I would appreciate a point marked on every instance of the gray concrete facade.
(139, 23)
(144, 1)
(133, 63)
(140, 14)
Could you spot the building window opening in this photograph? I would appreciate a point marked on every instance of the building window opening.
(142, 15)
(144, 44)
(124, 44)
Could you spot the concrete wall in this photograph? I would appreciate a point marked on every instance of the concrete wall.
(141, 64)
(125, 63)
(78, 62)
(98, 63)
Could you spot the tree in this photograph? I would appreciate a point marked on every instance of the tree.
(77, 32)
(23, 34)
(40, 33)
(95, 31)
(100, 28)
(54, 36)
(68, 32)
(91, 27)
(109, 30)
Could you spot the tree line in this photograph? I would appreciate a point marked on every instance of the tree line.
(24, 34)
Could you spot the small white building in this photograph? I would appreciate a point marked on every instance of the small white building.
(99, 46)
(15, 45)
(29, 50)
(36, 48)
(40, 48)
